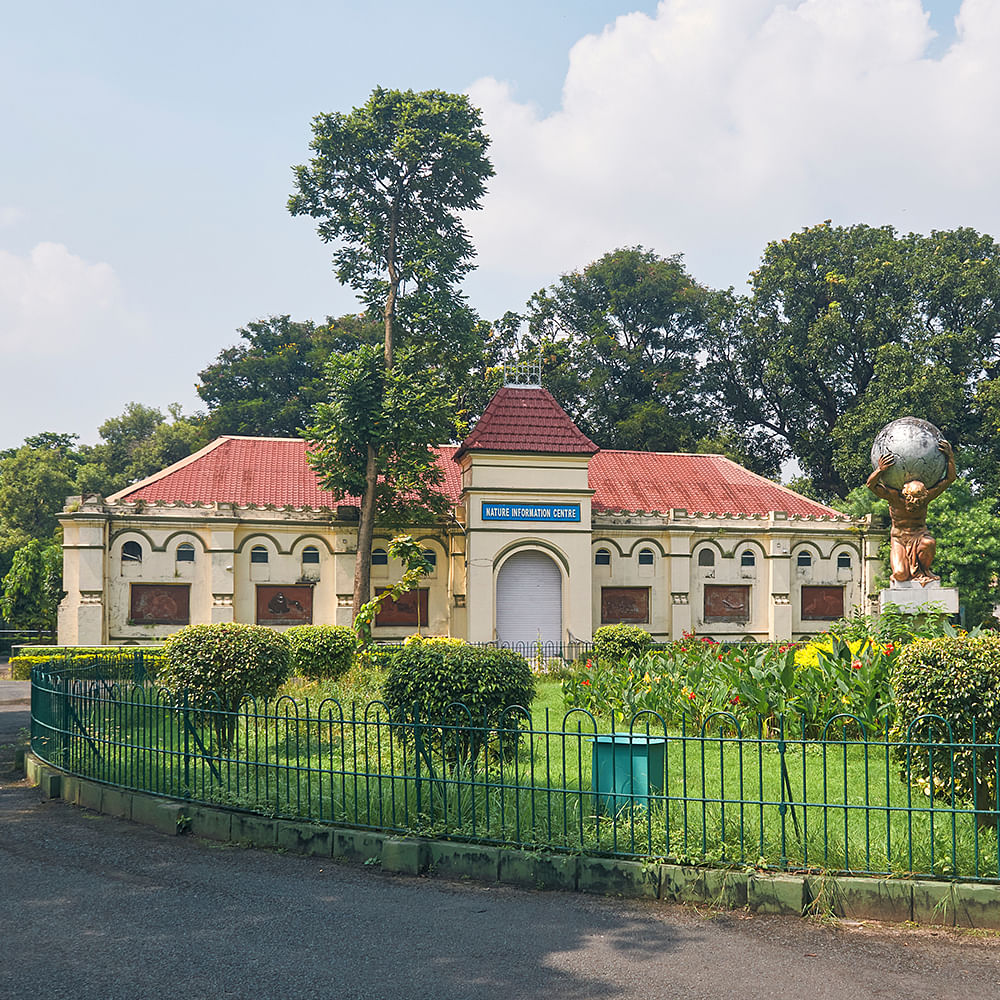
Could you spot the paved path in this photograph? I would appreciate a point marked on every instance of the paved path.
(93, 907)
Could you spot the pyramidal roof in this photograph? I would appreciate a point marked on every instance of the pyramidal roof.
(524, 419)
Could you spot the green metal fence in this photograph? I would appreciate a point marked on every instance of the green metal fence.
(850, 801)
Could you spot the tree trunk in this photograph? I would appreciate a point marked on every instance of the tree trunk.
(366, 530)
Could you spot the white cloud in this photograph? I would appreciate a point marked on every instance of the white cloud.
(718, 125)
(55, 304)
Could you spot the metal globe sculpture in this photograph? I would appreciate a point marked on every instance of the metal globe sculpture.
(914, 445)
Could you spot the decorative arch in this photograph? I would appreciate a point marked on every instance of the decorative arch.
(258, 538)
(641, 543)
(534, 543)
(606, 543)
(528, 587)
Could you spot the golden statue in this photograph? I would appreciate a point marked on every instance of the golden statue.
(911, 545)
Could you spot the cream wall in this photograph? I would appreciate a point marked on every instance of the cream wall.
(470, 553)
(534, 479)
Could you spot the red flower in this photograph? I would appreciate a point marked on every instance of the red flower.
(589, 664)
(856, 665)
(721, 657)
(889, 647)
(586, 680)
(734, 701)
(692, 695)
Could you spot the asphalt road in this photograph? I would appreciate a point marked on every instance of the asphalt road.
(93, 907)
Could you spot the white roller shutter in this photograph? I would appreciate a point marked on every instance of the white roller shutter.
(529, 601)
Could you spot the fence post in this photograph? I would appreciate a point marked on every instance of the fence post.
(783, 805)
(64, 738)
(187, 745)
(138, 668)
(418, 753)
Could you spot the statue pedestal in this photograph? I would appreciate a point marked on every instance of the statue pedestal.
(913, 598)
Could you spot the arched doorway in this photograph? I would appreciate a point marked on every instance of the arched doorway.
(529, 603)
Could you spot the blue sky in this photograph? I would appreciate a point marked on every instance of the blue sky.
(147, 154)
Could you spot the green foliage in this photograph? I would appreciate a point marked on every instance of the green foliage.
(110, 662)
(956, 679)
(619, 344)
(388, 184)
(411, 555)
(437, 676)
(891, 625)
(967, 531)
(135, 444)
(694, 679)
(620, 643)
(32, 589)
(396, 413)
(269, 383)
(216, 666)
(849, 328)
(34, 483)
(321, 652)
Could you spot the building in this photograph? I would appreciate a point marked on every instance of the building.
(547, 538)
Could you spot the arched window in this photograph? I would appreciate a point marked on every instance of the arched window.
(843, 561)
(310, 555)
(185, 552)
(602, 557)
(706, 557)
(431, 556)
(646, 557)
(804, 559)
(747, 558)
(380, 557)
(258, 554)
(132, 552)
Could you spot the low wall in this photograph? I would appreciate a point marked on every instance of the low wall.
(951, 904)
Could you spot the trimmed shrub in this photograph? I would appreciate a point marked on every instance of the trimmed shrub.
(109, 662)
(621, 643)
(321, 652)
(956, 679)
(435, 674)
(218, 665)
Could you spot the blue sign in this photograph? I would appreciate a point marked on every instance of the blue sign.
(494, 511)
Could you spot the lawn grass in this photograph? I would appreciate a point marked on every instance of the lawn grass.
(739, 800)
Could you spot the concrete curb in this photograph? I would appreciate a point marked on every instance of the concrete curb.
(952, 904)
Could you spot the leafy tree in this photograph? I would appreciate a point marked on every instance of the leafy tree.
(32, 589)
(268, 383)
(380, 419)
(34, 483)
(136, 444)
(619, 344)
(387, 184)
(967, 531)
(849, 328)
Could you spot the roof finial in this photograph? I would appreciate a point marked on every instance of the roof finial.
(524, 374)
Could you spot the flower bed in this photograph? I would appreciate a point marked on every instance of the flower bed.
(696, 678)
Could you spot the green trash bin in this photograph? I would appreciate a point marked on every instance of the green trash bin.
(626, 769)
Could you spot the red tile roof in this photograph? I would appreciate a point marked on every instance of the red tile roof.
(526, 420)
(708, 484)
(273, 471)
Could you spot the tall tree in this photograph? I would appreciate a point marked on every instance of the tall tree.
(268, 383)
(619, 342)
(849, 328)
(387, 184)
